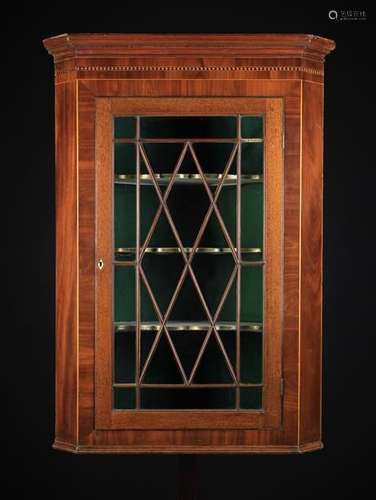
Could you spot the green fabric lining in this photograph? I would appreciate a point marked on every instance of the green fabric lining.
(251, 357)
(125, 127)
(125, 353)
(162, 157)
(163, 273)
(252, 127)
(252, 211)
(252, 158)
(251, 398)
(124, 293)
(125, 158)
(125, 215)
(213, 273)
(124, 399)
(251, 294)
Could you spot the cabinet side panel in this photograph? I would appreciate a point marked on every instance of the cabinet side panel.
(66, 264)
(311, 263)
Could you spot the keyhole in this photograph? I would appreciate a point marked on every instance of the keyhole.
(100, 264)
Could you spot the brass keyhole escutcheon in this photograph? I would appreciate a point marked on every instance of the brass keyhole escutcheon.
(100, 264)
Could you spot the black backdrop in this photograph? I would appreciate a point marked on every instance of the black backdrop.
(27, 385)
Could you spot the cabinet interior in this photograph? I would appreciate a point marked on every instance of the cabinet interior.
(188, 239)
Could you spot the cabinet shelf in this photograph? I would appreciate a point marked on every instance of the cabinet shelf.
(164, 179)
(173, 250)
(183, 140)
(150, 326)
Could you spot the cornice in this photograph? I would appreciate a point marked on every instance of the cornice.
(95, 45)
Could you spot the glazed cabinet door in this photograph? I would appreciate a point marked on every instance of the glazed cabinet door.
(189, 218)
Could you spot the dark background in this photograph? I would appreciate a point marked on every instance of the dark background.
(27, 385)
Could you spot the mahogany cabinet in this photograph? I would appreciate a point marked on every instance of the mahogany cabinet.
(188, 242)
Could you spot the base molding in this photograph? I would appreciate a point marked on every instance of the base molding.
(179, 449)
(308, 447)
(65, 446)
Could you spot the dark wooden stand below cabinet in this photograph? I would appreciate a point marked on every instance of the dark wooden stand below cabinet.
(188, 242)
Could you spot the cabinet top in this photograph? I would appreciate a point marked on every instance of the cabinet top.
(271, 45)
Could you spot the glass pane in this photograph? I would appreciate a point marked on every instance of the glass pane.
(125, 220)
(148, 313)
(125, 159)
(251, 357)
(212, 368)
(149, 204)
(213, 157)
(163, 263)
(187, 344)
(124, 399)
(188, 205)
(125, 353)
(125, 127)
(185, 399)
(252, 127)
(162, 235)
(124, 294)
(162, 157)
(147, 339)
(228, 338)
(188, 306)
(252, 221)
(163, 368)
(251, 398)
(163, 272)
(228, 312)
(252, 158)
(251, 294)
(213, 272)
(188, 127)
(213, 236)
(226, 204)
